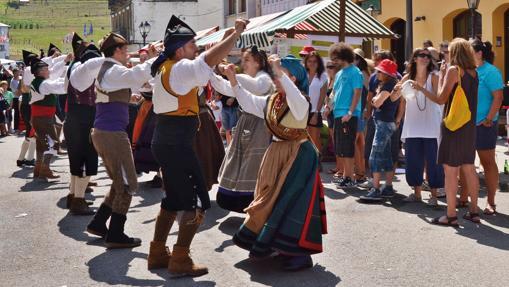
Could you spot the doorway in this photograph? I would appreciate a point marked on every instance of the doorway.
(506, 44)
(398, 45)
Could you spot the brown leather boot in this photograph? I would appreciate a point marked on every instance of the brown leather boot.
(80, 207)
(158, 256)
(47, 173)
(37, 169)
(182, 265)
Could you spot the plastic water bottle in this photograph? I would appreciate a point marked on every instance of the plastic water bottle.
(506, 167)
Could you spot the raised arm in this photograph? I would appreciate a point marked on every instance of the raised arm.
(218, 52)
(84, 74)
(259, 85)
(299, 106)
(250, 103)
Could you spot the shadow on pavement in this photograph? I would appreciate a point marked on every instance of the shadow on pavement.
(75, 226)
(111, 267)
(268, 272)
(23, 173)
(185, 281)
(229, 227)
(37, 185)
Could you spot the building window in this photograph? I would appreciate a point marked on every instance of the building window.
(242, 6)
(232, 7)
(462, 24)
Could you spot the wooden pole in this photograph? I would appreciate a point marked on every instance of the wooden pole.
(342, 20)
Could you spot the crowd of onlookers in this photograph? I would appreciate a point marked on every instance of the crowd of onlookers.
(377, 111)
(9, 100)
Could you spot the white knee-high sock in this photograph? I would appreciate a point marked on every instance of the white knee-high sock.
(24, 149)
(72, 186)
(31, 149)
(81, 186)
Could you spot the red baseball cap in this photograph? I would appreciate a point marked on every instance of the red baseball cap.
(306, 50)
(388, 67)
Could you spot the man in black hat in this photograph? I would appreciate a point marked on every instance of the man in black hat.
(178, 74)
(83, 159)
(43, 92)
(113, 84)
(28, 145)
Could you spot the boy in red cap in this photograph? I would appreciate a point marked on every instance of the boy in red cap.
(380, 159)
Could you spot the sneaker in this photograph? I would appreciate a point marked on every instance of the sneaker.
(425, 186)
(412, 198)
(441, 193)
(433, 201)
(368, 184)
(374, 194)
(346, 182)
(337, 180)
(387, 191)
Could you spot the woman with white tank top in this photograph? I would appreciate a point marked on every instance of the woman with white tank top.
(421, 128)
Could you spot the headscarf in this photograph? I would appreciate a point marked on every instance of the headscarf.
(295, 68)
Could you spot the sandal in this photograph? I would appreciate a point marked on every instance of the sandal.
(473, 217)
(338, 175)
(332, 171)
(462, 204)
(449, 222)
(490, 209)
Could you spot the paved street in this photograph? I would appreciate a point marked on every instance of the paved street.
(368, 245)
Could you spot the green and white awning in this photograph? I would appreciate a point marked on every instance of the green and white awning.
(320, 17)
(214, 38)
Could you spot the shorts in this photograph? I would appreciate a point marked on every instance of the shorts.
(319, 122)
(344, 137)
(486, 137)
(361, 125)
(230, 117)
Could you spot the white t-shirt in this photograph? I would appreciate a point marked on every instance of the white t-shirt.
(217, 113)
(423, 117)
(314, 90)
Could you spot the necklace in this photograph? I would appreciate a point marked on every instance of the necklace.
(425, 99)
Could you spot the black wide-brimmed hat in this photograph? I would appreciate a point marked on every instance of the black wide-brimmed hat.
(28, 57)
(53, 49)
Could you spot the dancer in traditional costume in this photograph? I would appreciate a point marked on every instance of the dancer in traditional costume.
(27, 153)
(251, 138)
(83, 159)
(143, 131)
(178, 76)
(287, 215)
(113, 83)
(210, 155)
(43, 101)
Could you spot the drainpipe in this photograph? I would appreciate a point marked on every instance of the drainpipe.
(409, 39)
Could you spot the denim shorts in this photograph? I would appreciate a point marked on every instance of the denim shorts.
(230, 117)
(380, 158)
(486, 137)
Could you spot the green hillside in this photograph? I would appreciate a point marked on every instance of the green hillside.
(35, 25)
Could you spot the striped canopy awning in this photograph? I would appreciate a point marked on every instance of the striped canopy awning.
(203, 33)
(321, 18)
(214, 38)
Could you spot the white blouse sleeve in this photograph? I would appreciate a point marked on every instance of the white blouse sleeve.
(52, 87)
(84, 74)
(259, 85)
(299, 106)
(250, 103)
(221, 85)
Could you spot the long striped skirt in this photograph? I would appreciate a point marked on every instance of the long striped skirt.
(288, 212)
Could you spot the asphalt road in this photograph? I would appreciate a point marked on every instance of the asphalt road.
(368, 245)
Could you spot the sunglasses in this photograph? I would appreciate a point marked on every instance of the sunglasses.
(422, 55)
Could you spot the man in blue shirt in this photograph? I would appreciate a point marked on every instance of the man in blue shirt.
(347, 108)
